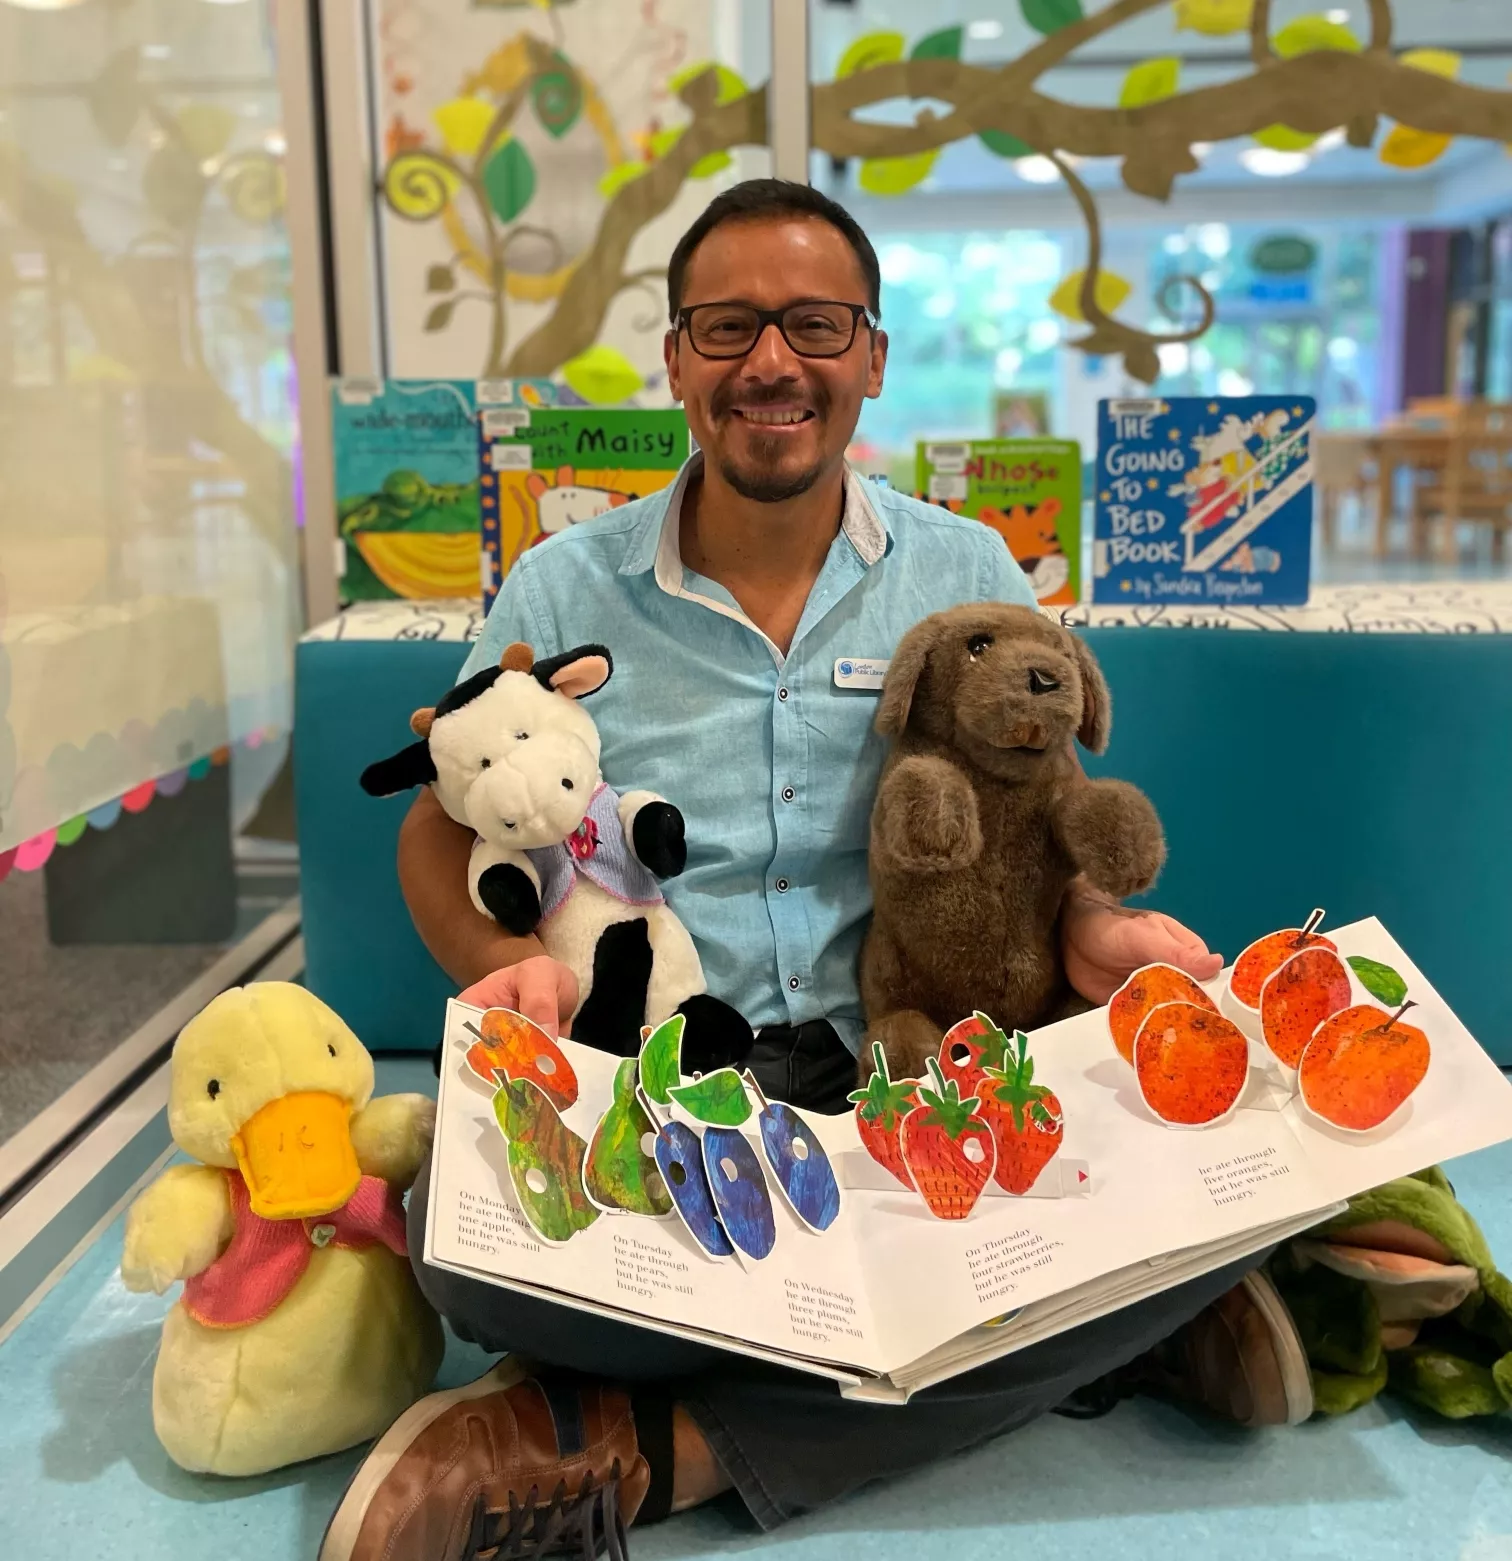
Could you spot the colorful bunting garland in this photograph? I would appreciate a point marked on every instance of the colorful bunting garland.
(31, 855)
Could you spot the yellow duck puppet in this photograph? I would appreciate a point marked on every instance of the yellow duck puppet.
(301, 1330)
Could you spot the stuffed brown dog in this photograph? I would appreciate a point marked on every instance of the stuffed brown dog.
(983, 817)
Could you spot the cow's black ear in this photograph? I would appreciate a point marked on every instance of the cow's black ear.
(575, 673)
(412, 766)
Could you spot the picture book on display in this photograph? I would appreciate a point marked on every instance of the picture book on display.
(1028, 490)
(544, 469)
(1204, 500)
(1028, 1184)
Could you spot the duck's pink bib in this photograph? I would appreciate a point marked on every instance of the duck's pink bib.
(266, 1257)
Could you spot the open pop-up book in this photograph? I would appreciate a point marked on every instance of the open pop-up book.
(1028, 1184)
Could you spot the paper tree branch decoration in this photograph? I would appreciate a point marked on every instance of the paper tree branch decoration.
(1310, 76)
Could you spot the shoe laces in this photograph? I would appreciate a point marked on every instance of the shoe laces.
(587, 1523)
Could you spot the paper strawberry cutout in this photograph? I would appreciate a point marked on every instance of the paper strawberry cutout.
(1026, 1119)
(947, 1147)
(880, 1109)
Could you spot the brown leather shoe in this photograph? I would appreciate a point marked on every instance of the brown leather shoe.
(506, 1468)
(1240, 1358)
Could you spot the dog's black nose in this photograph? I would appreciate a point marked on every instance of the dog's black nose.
(1041, 682)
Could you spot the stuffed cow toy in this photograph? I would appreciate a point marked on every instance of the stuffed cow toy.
(511, 754)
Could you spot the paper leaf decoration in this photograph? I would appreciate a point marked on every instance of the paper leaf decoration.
(895, 175)
(1308, 34)
(602, 376)
(663, 142)
(619, 176)
(207, 128)
(463, 123)
(545, 1162)
(1214, 18)
(557, 98)
(731, 84)
(660, 1060)
(439, 317)
(942, 45)
(1001, 144)
(717, 1098)
(1437, 62)
(1282, 138)
(1049, 16)
(1383, 983)
(1405, 147)
(870, 50)
(1110, 292)
(1150, 81)
(620, 1174)
(509, 180)
(440, 279)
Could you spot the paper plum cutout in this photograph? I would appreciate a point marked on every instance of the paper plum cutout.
(1361, 1066)
(800, 1165)
(510, 1046)
(1147, 988)
(948, 1149)
(620, 1173)
(679, 1158)
(1297, 997)
(1026, 1119)
(1191, 1064)
(718, 1099)
(880, 1109)
(740, 1191)
(545, 1162)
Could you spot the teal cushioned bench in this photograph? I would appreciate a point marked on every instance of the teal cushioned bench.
(1367, 773)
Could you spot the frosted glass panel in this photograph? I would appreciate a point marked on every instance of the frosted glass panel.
(148, 559)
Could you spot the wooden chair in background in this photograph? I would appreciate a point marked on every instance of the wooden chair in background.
(1475, 482)
(1343, 465)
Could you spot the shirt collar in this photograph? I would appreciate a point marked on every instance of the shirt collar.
(655, 541)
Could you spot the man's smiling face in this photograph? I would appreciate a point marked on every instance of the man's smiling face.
(774, 422)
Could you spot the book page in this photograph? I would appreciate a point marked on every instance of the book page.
(805, 1298)
(1152, 1189)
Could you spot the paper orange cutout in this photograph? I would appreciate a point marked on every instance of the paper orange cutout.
(1298, 997)
(1360, 1066)
(1191, 1064)
(1146, 989)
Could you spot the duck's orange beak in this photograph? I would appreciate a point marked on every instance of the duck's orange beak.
(296, 1156)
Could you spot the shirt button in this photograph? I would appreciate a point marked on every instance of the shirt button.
(788, 793)
(782, 886)
(792, 983)
(782, 693)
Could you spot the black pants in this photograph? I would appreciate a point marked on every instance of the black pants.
(788, 1440)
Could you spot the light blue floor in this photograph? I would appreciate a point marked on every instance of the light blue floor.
(81, 1473)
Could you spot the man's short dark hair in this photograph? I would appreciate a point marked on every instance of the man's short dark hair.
(755, 199)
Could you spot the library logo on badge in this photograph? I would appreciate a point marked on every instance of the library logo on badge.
(859, 672)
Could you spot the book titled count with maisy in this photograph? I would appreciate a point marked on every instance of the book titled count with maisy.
(1203, 500)
(1025, 1184)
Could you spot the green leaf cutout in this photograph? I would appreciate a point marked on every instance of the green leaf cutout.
(1381, 981)
(942, 45)
(718, 1099)
(545, 1151)
(1049, 16)
(620, 1174)
(1002, 144)
(660, 1060)
(1150, 81)
(509, 180)
(557, 97)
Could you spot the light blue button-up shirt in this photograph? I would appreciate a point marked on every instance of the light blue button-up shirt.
(772, 761)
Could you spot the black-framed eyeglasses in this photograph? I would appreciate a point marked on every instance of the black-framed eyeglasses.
(819, 329)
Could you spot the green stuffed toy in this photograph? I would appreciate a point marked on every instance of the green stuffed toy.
(1399, 1292)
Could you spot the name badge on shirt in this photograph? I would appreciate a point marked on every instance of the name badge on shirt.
(860, 672)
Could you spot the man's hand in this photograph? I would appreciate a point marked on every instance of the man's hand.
(541, 988)
(1103, 944)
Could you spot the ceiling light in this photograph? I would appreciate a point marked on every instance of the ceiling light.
(1036, 170)
(44, 5)
(1271, 164)
(156, 51)
(984, 31)
(1338, 17)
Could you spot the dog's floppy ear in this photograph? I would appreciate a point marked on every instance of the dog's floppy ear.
(575, 673)
(410, 767)
(1097, 705)
(903, 673)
